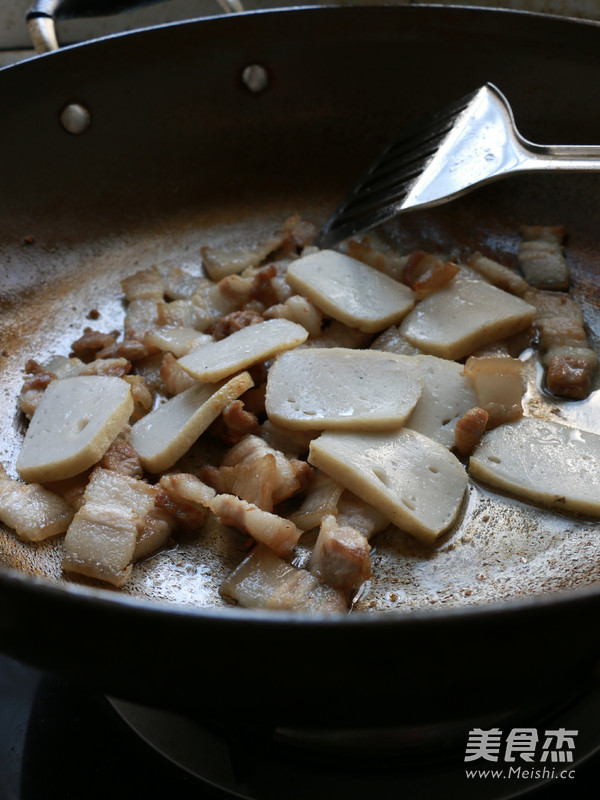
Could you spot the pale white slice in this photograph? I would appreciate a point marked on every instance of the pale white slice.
(34, 512)
(75, 422)
(336, 388)
(167, 433)
(463, 317)
(176, 339)
(251, 345)
(101, 540)
(543, 462)
(416, 482)
(445, 397)
(350, 291)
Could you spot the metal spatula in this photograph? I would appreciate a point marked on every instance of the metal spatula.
(470, 143)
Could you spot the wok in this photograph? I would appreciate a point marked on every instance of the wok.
(180, 152)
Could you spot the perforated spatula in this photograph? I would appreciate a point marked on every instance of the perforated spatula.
(467, 144)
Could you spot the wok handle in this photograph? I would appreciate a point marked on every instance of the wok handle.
(42, 15)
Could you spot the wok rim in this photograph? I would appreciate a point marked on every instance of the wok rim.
(109, 600)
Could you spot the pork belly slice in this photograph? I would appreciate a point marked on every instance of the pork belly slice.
(335, 388)
(278, 533)
(163, 436)
(542, 462)
(496, 273)
(156, 531)
(102, 538)
(321, 499)
(392, 341)
(426, 273)
(416, 482)
(230, 323)
(257, 473)
(445, 396)
(174, 377)
(541, 256)
(570, 371)
(146, 284)
(341, 557)
(176, 339)
(263, 580)
(376, 255)
(34, 512)
(498, 384)
(464, 316)
(469, 430)
(223, 261)
(569, 361)
(349, 291)
(354, 513)
(298, 309)
(122, 458)
(293, 444)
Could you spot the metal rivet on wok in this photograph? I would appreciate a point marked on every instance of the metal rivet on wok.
(75, 118)
(255, 78)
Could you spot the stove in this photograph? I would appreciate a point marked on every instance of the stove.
(59, 740)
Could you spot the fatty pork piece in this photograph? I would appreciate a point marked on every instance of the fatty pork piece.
(341, 557)
(541, 257)
(498, 384)
(569, 361)
(371, 252)
(320, 500)
(102, 538)
(278, 533)
(298, 309)
(263, 580)
(222, 261)
(496, 273)
(363, 517)
(258, 474)
(426, 273)
(293, 444)
(469, 430)
(186, 498)
(34, 512)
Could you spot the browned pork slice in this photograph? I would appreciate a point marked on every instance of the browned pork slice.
(570, 363)
(175, 378)
(426, 273)
(263, 580)
(321, 499)
(469, 430)
(230, 323)
(257, 473)
(496, 273)
(298, 309)
(157, 528)
(278, 533)
(498, 384)
(341, 557)
(142, 396)
(122, 458)
(542, 258)
(372, 252)
(145, 284)
(34, 512)
(101, 540)
(355, 513)
(293, 444)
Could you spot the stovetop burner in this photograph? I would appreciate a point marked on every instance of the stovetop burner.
(58, 740)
